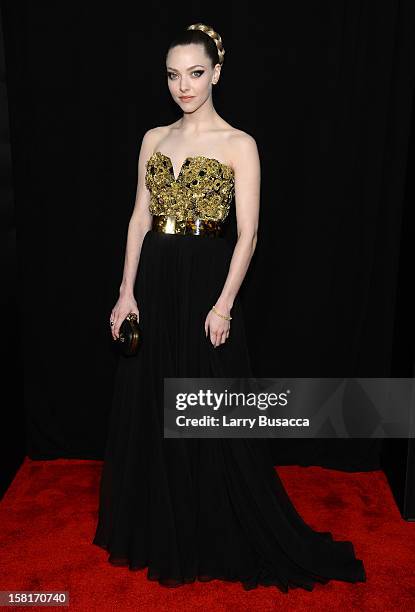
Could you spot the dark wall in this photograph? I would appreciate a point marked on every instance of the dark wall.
(13, 441)
(325, 88)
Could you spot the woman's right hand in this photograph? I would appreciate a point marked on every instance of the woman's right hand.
(124, 305)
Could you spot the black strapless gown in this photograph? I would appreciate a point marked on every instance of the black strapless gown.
(201, 509)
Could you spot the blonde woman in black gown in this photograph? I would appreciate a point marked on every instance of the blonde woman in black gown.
(203, 509)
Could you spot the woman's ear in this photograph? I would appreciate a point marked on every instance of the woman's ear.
(216, 74)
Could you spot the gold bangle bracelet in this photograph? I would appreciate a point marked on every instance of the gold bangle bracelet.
(221, 315)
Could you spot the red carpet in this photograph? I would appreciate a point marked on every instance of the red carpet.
(47, 521)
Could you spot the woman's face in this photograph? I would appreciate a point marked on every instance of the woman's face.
(190, 74)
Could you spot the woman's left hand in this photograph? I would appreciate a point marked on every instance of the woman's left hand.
(217, 327)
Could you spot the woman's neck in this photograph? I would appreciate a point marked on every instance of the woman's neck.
(200, 120)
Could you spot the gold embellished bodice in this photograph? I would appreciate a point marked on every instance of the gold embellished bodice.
(203, 189)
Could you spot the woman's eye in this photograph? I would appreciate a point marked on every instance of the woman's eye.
(172, 75)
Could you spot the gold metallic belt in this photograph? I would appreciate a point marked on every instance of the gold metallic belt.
(169, 224)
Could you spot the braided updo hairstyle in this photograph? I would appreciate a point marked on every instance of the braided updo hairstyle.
(205, 35)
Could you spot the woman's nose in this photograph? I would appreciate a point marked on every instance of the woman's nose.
(184, 85)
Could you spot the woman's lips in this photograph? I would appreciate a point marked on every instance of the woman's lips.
(186, 98)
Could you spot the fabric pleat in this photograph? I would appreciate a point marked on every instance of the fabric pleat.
(198, 509)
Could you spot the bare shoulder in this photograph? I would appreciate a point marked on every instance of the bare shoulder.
(155, 133)
(243, 147)
(151, 139)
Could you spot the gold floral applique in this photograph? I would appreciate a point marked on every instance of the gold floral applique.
(204, 188)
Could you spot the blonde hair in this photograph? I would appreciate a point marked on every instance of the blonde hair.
(213, 35)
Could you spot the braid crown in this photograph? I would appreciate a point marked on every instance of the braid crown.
(213, 35)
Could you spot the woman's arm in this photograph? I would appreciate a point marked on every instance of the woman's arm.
(141, 218)
(247, 197)
(247, 169)
(140, 223)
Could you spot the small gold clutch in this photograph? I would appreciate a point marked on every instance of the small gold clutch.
(129, 335)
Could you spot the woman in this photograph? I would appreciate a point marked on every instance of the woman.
(197, 508)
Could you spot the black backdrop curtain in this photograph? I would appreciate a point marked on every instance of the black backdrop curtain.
(326, 89)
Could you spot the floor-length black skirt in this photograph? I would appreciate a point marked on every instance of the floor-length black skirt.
(204, 508)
